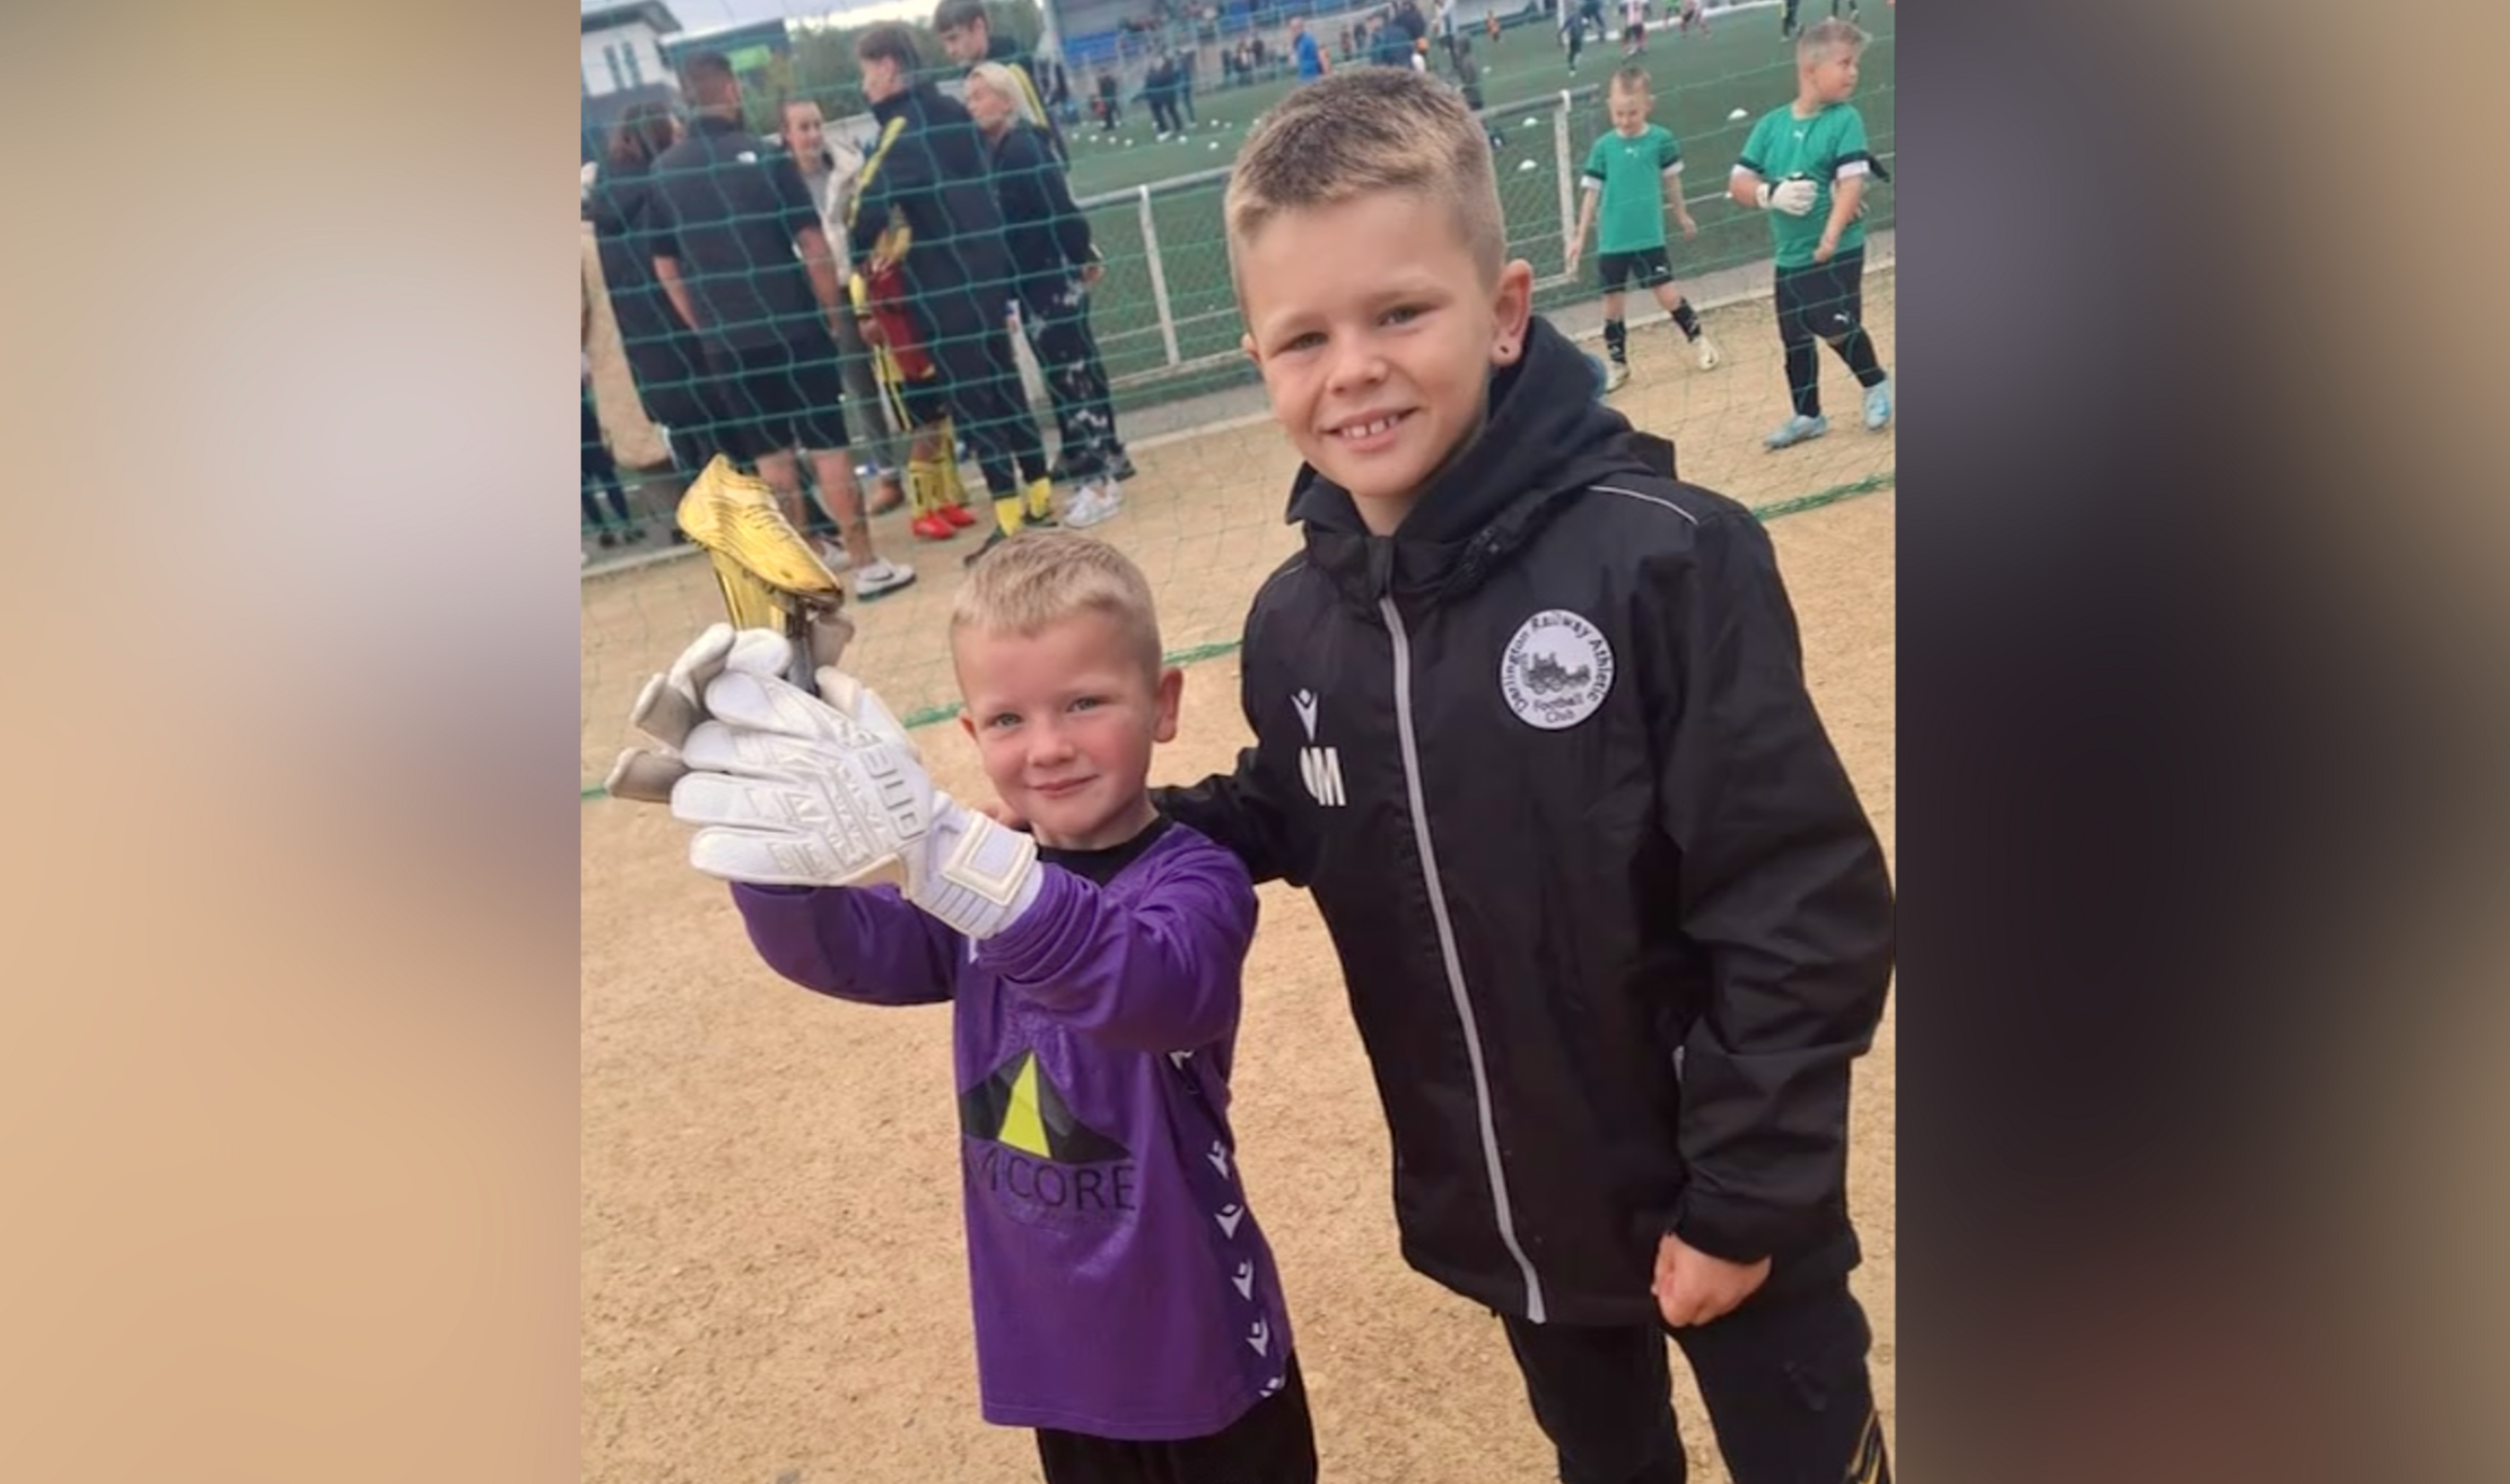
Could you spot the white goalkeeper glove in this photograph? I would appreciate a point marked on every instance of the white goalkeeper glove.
(672, 705)
(790, 790)
(1794, 197)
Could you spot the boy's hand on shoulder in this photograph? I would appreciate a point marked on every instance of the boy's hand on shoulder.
(1692, 1287)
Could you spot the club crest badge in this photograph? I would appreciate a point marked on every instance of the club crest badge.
(1556, 671)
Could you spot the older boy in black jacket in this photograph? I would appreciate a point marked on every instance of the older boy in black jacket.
(1531, 724)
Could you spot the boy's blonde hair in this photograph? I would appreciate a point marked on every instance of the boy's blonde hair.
(1633, 78)
(1040, 578)
(1357, 133)
(1826, 35)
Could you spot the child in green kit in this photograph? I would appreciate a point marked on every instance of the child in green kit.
(1632, 174)
(1807, 165)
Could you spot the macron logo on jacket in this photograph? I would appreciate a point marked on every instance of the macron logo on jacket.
(1319, 767)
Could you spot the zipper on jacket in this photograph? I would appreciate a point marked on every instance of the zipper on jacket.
(1446, 950)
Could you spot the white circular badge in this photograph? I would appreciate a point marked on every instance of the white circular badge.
(1557, 670)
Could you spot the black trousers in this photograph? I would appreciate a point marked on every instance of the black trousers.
(1056, 316)
(1274, 1443)
(969, 336)
(1784, 1377)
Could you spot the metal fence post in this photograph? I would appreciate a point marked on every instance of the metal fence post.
(1158, 279)
(1567, 176)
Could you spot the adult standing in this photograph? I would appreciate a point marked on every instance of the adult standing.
(1110, 109)
(1055, 264)
(925, 202)
(1159, 92)
(1304, 50)
(739, 249)
(830, 167)
(664, 357)
(967, 38)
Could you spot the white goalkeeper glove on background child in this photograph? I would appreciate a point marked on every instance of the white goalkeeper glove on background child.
(1794, 197)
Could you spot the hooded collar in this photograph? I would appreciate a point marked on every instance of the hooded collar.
(1545, 439)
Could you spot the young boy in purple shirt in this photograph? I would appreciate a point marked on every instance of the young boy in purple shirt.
(1127, 1306)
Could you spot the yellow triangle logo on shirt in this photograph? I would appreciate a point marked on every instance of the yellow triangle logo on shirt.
(1021, 1127)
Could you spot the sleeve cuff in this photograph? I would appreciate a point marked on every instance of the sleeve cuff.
(1027, 943)
(1739, 1231)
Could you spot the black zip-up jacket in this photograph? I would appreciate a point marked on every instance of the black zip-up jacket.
(1046, 233)
(930, 174)
(1612, 921)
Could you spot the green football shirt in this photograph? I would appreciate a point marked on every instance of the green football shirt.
(1825, 149)
(1630, 170)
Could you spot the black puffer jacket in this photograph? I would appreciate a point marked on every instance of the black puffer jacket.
(1611, 918)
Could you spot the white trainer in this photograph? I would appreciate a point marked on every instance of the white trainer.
(1092, 504)
(881, 578)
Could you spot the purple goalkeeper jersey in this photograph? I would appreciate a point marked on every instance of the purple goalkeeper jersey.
(1121, 1287)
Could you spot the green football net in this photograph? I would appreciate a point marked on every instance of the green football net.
(1203, 512)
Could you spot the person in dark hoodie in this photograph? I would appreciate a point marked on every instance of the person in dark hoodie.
(1056, 264)
(1610, 1006)
(925, 202)
(967, 38)
(966, 35)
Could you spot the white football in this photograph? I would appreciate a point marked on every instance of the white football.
(1524, 165)
(1737, 113)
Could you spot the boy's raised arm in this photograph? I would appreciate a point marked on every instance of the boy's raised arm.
(1784, 886)
(1157, 974)
(868, 945)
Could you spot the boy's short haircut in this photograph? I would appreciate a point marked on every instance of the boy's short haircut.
(951, 15)
(889, 41)
(1040, 578)
(1829, 35)
(1630, 77)
(1363, 131)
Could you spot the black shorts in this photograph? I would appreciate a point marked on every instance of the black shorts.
(1274, 1443)
(1648, 265)
(1825, 301)
(781, 396)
